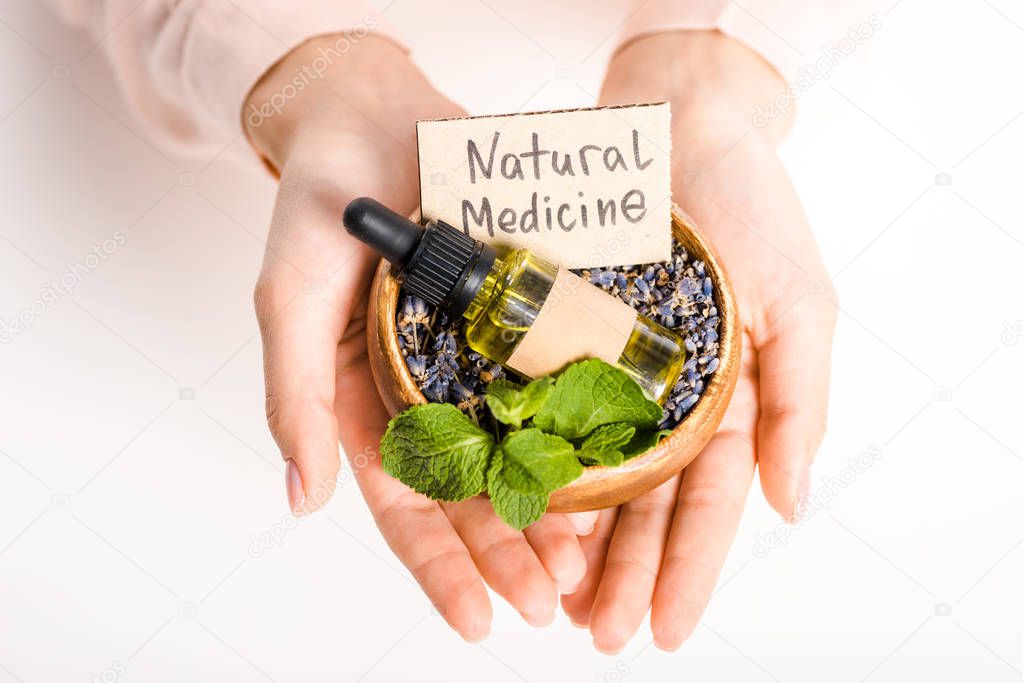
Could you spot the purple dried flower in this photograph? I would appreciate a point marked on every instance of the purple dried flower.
(417, 366)
(495, 371)
(602, 278)
(460, 392)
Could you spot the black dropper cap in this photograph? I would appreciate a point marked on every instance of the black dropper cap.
(438, 263)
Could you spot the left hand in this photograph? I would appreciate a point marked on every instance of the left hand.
(666, 548)
(352, 133)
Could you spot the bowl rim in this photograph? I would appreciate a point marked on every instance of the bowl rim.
(598, 487)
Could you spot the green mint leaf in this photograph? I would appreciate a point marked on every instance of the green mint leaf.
(643, 441)
(603, 445)
(525, 469)
(609, 436)
(517, 509)
(602, 458)
(590, 394)
(438, 451)
(511, 403)
(538, 463)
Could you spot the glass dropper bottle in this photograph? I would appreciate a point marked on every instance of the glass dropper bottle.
(522, 311)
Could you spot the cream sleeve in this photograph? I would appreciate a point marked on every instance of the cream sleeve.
(792, 36)
(186, 66)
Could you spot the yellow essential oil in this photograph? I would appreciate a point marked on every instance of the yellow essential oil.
(502, 297)
(511, 297)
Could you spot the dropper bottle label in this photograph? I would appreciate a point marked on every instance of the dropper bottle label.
(576, 321)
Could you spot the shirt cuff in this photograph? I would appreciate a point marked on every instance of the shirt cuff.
(186, 69)
(655, 16)
(792, 37)
(271, 29)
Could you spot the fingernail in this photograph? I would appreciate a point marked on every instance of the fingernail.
(579, 624)
(582, 522)
(567, 587)
(608, 649)
(666, 645)
(802, 496)
(296, 494)
(478, 630)
(539, 618)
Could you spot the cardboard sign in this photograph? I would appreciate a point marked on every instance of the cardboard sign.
(583, 187)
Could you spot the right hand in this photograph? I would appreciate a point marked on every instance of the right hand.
(348, 134)
(663, 551)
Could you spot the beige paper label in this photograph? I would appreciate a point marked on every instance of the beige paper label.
(576, 321)
(582, 188)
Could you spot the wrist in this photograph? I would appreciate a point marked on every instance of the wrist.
(707, 76)
(308, 95)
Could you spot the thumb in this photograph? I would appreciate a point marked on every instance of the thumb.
(299, 332)
(301, 317)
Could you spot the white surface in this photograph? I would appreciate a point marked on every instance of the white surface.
(127, 514)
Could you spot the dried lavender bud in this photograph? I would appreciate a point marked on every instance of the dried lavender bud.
(602, 278)
(417, 366)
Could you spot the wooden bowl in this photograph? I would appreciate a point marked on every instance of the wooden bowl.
(598, 487)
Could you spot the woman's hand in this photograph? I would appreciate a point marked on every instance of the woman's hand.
(346, 134)
(667, 547)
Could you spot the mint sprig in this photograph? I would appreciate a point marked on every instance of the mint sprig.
(590, 414)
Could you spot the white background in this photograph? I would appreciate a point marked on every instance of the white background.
(127, 513)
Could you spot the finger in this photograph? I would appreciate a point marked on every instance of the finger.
(415, 528)
(582, 522)
(505, 560)
(710, 503)
(554, 540)
(795, 362)
(298, 359)
(423, 539)
(577, 605)
(630, 571)
(300, 330)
